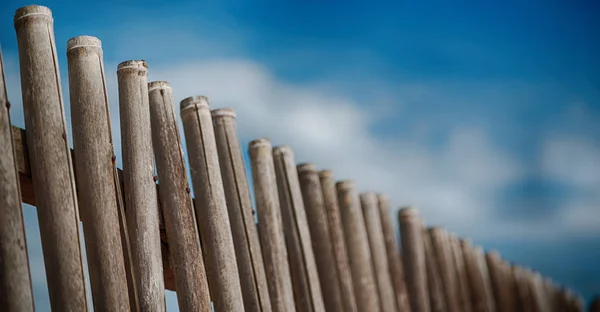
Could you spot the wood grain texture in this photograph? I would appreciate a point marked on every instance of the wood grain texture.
(316, 214)
(270, 226)
(478, 288)
(357, 242)
(248, 252)
(437, 297)
(338, 244)
(462, 280)
(303, 267)
(385, 288)
(15, 279)
(139, 185)
(51, 168)
(211, 206)
(413, 252)
(178, 212)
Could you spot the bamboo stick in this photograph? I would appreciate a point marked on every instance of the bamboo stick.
(270, 226)
(176, 202)
(96, 183)
(50, 159)
(211, 207)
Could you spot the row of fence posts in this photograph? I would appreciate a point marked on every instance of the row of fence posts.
(318, 245)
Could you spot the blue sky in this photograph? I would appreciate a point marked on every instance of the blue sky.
(486, 116)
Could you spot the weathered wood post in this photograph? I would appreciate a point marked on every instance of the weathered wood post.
(413, 254)
(355, 233)
(393, 255)
(303, 267)
(524, 291)
(96, 182)
(485, 274)
(476, 280)
(15, 280)
(442, 247)
(239, 203)
(178, 211)
(50, 156)
(434, 279)
(321, 239)
(139, 184)
(461, 274)
(503, 295)
(336, 231)
(270, 226)
(381, 269)
(211, 207)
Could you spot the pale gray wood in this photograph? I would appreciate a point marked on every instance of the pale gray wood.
(140, 195)
(524, 290)
(176, 202)
(482, 266)
(270, 226)
(504, 293)
(442, 247)
(434, 279)
(316, 214)
(96, 183)
(248, 253)
(338, 245)
(477, 287)
(51, 167)
(461, 274)
(413, 252)
(381, 269)
(303, 267)
(15, 280)
(393, 255)
(211, 206)
(357, 242)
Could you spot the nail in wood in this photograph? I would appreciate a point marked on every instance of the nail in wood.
(357, 242)
(321, 239)
(385, 288)
(248, 253)
(140, 195)
(50, 156)
(338, 245)
(15, 279)
(176, 202)
(413, 252)
(393, 255)
(270, 226)
(93, 149)
(211, 207)
(303, 267)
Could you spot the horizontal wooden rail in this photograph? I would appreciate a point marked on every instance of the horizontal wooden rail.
(27, 197)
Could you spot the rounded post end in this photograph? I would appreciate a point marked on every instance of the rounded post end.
(326, 174)
(31, 10)
(83, 42)
(258, 143)
(407, 212)
(345, 184)
(306, 168)
(281, 150)
(133, 64)
(223, 112)
(161, 85)
(193, 102)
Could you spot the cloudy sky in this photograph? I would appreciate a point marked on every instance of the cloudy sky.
(484, 116)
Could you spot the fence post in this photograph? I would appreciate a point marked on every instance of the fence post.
(338, 245)
(239, 203)
(442, 246)
(176, 202)
(381, 269)
(211, 207)
(413, 252)
(316, 214)
(15, 279)
(434, 279)
(303, 266)
(139, 185)
(270, 226)
(476, 280)
(393, 255)
(461, 274)
(94, 156)
(363, 277)
(50, 156)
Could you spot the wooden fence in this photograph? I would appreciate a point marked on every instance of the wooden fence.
(318, 245)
